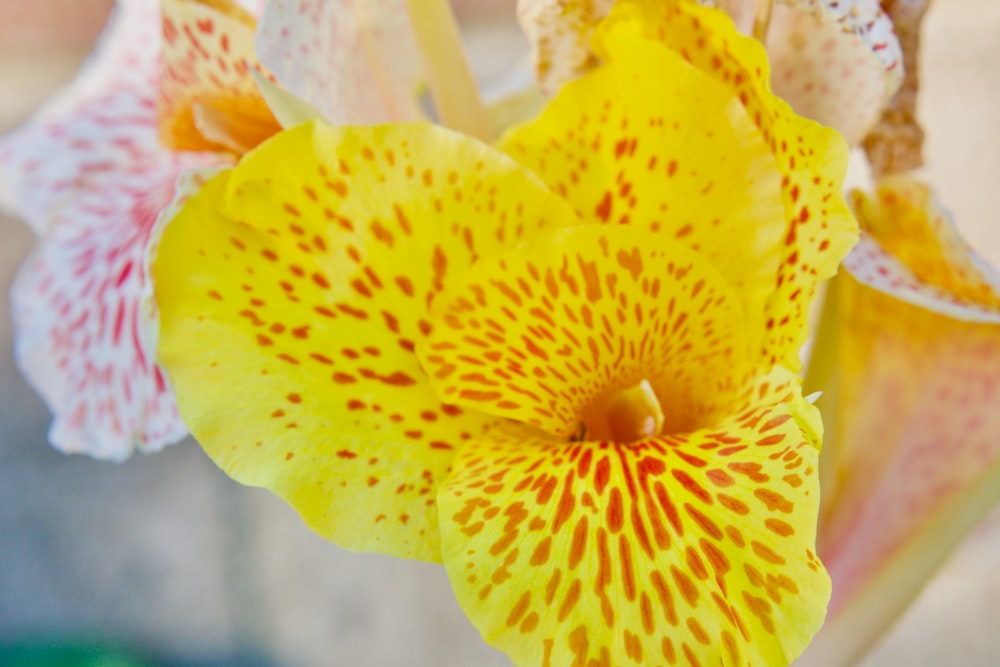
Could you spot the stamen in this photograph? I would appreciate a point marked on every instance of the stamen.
(627, 415)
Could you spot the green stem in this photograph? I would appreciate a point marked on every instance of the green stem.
(452, 85)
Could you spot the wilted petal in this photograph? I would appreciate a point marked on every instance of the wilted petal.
(356, 61)
(911, 413)
(896, 143)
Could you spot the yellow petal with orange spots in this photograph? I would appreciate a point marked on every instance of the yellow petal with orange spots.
(550, 334)
(706, 154)
(692, 549)
(650, 142)
(291, 300)
(207, 99)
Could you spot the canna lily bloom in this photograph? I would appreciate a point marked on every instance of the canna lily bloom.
(92, 171)
(836, 61)
(566, 370)
(910, 346)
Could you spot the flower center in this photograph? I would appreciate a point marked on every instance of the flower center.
(626, 415)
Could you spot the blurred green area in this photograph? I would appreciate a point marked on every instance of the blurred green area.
(39, 653)
(82, 655)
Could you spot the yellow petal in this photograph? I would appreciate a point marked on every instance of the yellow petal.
(550, 333)
(812, 159)
(290, 301)
(836, 61)
(704, 154)
(687, 550)
(207, 99)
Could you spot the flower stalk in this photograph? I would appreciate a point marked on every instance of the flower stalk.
(452, 85)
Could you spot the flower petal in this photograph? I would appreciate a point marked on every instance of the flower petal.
(288, 108)
(356, 61)
(78, 335)
(305, 294)
(705, 152)
(690, 549)
(548, 332)
(906, 221)
(85, 149)
(871, 265)
(88, 173)
(207, 99)
(836, 61)
(919, 384)
(913, 371)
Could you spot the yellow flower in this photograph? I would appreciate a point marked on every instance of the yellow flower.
(910, 345)
(570, 375)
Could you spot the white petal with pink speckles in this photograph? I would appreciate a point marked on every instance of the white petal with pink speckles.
(75, 306)
(356, 61)
(53, 160)
(88, 174)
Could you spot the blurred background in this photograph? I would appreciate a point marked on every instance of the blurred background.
(164, 561)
